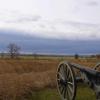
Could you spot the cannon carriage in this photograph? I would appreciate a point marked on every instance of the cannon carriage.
(69, 74)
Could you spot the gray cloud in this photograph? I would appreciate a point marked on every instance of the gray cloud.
(17, 17)
(42, 26)
(93, 35)
(70, 29)
(93, 3)
(28, 18)
(57, 28)
(77, 24)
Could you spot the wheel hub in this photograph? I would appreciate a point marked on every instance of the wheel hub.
(64, 82)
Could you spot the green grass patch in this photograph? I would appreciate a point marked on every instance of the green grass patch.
(83, 93)
(46, 94)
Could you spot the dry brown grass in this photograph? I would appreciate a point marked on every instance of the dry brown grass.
(18, 78)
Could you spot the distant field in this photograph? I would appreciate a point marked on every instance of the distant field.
(26, 79)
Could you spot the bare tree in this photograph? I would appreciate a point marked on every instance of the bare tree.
(76, 56)
(13, 50)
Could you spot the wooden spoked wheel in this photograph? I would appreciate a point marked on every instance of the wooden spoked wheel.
(97, 67)
(66, 81)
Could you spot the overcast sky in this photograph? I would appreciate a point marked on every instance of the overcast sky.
(62, 19)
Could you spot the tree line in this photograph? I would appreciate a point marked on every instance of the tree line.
(14, 52)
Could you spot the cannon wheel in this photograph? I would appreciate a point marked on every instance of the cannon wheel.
(66, 81)
(97, 67)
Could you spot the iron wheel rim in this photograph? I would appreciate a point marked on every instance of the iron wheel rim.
(66, 82)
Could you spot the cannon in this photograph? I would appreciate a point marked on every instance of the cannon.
(69, 74)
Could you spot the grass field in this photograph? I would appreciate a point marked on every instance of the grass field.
(35, 79)
(83, 93)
